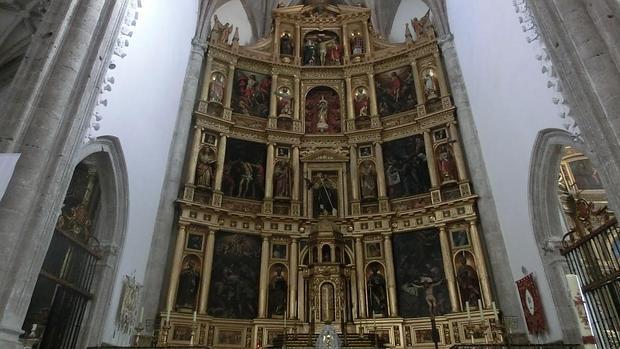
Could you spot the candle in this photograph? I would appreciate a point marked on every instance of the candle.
(480, 308)
(168, 316)
(495, 314)
(141, 314)
(194, 317)
(468, 313)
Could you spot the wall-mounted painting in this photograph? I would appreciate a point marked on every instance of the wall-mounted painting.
(236, 270)
(419, 273)
(244, 169)
(586, 176)
(395, 91)
(323, 111)
(251, 93)
(406, 168)
(322, 48)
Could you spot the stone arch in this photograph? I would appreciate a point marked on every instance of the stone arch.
(547, 222)
(106, 155)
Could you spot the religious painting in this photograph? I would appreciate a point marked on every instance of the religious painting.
(322, 111)
(467, 278)
(419, 274)
(373, 250)
(361, 102)
(406, 168)
(210, 138)
(216, 87)
(368, 180)
(440, 134)
(205, 167)
(283, 152)
(235, 274)
(423, 336)
(324, 186)
(230, 337)
(586, 177)
(282, 180)
(278, 286)
(194, 241)
(189, 283)
(251, 92)
(365, 151)
(182, 333)
(278, 251)
(244, 169)
(322, 48)
(446, 163)
(460, 237)
(376, 291)
(395, 91)
(80, 204)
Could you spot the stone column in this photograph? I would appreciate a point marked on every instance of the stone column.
(177, 261)
(295, 190)
(390, 275)
(349, 94)
(206, 79)
(297, 98)
(458, 153)
(264, 278)
(448, 268)
(381, 183)
(355, 183)
(207, 265)
(373, 95)
(480, 263)
(430, 159)
(229, 85)
(294, 265)
(269, 171)
(359, 273)
(219, 169)
(273, 101)
(419, 91)
(190, 176)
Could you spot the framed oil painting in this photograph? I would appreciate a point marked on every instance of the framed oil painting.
(244, 169)
(251, 92)
(194, 242)
(406, 168)
(395, 91)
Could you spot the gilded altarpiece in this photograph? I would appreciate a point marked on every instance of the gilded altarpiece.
(326, 183)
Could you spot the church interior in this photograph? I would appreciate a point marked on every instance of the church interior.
(309, 174)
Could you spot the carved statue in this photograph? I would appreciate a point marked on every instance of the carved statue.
(189, 281)
(277, 293)
(282, 179)
(467, 277)
(322, 124)
(204, 169)
(420, 26)
(368, 180)
(376, 292)
(431, 88)
(286, 45)
(216, 88)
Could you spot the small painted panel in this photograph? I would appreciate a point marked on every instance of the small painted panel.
(395, 91)
(251, 92)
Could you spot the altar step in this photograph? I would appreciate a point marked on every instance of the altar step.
(305, 340)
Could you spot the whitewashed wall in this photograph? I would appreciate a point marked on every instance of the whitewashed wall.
(141, 112)
(511, 103)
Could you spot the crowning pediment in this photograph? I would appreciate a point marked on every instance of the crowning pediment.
(324, 155)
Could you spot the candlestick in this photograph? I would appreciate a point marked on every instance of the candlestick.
(480, 308)
(468, 312)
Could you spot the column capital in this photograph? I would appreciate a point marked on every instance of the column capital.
(387, 235)
(265, 236)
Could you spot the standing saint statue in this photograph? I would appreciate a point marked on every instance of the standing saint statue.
(189, 281)
(322, 124)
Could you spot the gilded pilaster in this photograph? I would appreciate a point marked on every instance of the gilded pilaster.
(190, 176)
(176, 267)
(359, 272)
(430, 159)
(293, 272)
(264, 278)
(372, 89)
(448, 267)
(297, 98)
(207, 265)
(268, 202)
(273, 97)
(206, 79)
(441, 76)
(381, 183)
(349, 94)
(229, 85)
(355, 185)
(458, 153)
(295, 203)
(480, 263)
(391, 276)
(419, 90)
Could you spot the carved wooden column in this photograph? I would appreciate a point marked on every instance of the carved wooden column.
(419, 89)
(177, 261)
(480, 264)
(268, 201)
(441, 76)
(264, 278)
(372, 89)
(367, 48)
(430, 159)
(359, 272)
(219, 171)
(207, 266)
(206, 79)
(229, 85)
(391, 276)
(381, 183)
(273, 103)
(190, 176)
(448, 268)
(355, 183)
(346, 44)
(295, 203)
(458, 153)
(350, 110)
(298, 43)
(297, 98)
(294, 265)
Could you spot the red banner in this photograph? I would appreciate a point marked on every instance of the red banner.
(532, 305)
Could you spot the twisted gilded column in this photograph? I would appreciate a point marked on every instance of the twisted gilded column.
(190, 176)
(391, 276)
(458, 153)
(177, 260)
(430, 159)
(480, 264)
(359, 273)
(264, 278)
(206, 79)
(448, 268)
(294, 265)
(207, 266)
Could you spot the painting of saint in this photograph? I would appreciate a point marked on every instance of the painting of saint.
(467, 278)
(406, 168)
(395, 91)
(244, 169)
(251, 93)
(322, 112)
(235, 274)
(586, 176)
(375, 287)
(322, 48)
(419, 273)
(278, 286)
(324, 194)
(431, 85)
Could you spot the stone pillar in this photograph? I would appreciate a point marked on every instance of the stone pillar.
(355, 183)
(480, 263)
(295, 191)
(297, 98)
(381, 183)
(264, 278)
(207, 265)
(458, 153)
(373, 95)
(294, 265)
(359, 273)
(430, 159)
(229, 85)
(269, 171)
(177, 261)
(349, 94)
(273, 101)
(206, 79)
(219, 169)
(448, 268)
(190, 176)
(390, 275)
(419, 91)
